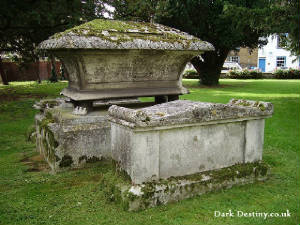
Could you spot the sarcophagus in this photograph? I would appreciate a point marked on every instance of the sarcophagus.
(107, 59)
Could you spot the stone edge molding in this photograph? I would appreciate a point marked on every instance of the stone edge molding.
(151, 194)
(185, 112)
(86, 37)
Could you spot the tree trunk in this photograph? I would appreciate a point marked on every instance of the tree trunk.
(209, 70)
(37, 70)
(2, 73)
(53, 77)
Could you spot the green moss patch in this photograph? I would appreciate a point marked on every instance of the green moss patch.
(119, 31)
(66, 161)
(47, 137)
(119, 190)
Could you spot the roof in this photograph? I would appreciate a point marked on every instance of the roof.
(114, 34)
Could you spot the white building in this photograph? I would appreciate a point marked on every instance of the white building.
(272, 56)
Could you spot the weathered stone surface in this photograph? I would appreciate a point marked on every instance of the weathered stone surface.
(67, 140)
(113, 74)
(188, 112)
(114, 34)
(150, 194)
(108, 59)
(183, 137)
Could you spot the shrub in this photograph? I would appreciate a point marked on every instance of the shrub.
(287, 74)
(244, 74)
(190, 74)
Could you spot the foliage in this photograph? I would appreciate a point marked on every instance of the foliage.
(244, 74)
(287, 74)
(282, 17)
(24, 24)
(256, 74)
(75, 197)
(290, 11)
(135, 10)
(211, 21)
(190, 74)
(53, 77)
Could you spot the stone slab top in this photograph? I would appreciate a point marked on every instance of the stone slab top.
(114, 34)
(188, 112)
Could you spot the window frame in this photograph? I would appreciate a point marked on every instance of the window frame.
(234, 56)
(283, 59)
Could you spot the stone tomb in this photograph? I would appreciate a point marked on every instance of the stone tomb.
(108, 62)
(182, 138)
(107, 59)
(167, 152)
(70, 141)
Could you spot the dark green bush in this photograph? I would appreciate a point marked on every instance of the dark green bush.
(190, 74)
(244, 74)
(287, 74)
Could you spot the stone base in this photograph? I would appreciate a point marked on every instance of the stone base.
(67, 141)
(136, 197)
(70, 141)
(183, 137)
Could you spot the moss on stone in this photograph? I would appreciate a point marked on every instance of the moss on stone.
(48, 140)
(120, 172)
(244, 103)
(232, 172)
(262, 107)
(43, 124)
(66, 161)
(122, 31)
(30, 133)
(49, 103)
(93, 159)
(110, 185)
(82, 158)
(120, 192)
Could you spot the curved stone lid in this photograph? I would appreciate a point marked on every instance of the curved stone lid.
(187, 112)
(114, 34)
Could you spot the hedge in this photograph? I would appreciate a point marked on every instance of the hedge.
(190, 74)
(249, 74)
(244, 74)
(287, 74)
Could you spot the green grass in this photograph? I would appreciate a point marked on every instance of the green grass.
(74, 197)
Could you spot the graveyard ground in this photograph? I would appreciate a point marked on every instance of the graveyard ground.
(30, 195)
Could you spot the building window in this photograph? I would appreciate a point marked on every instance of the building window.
(234, 59)
(280, 61)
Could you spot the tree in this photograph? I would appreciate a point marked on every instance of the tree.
(24, 24)
(134, 10)
(214, 21)
(290, 11)
(282, 17)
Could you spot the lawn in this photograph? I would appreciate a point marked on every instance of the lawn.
(29, 194)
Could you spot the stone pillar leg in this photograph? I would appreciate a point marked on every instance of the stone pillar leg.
(161, 99)
(173, 98)
(84, 104)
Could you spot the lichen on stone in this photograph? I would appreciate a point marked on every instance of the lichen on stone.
(263, 106)
(114, 34)
(125, 30)
(66, 161)
(141, 196)
(47, 138)
(188, 112)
